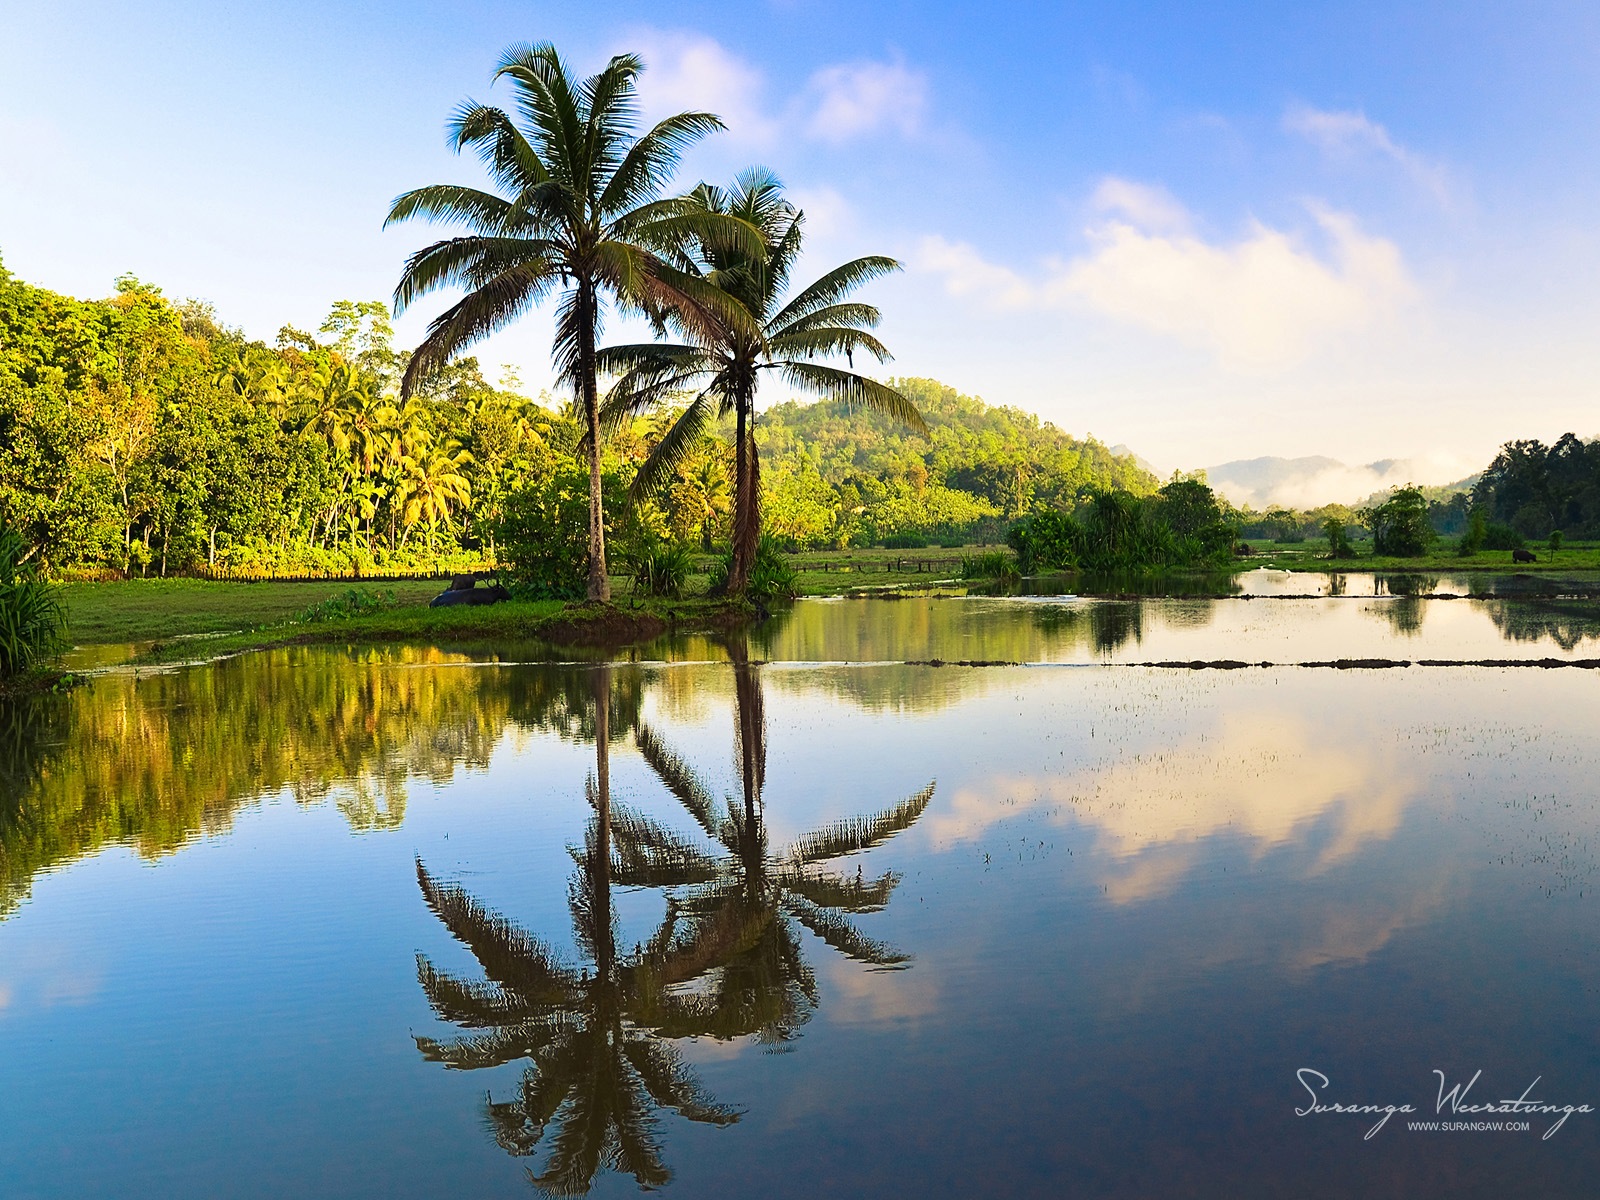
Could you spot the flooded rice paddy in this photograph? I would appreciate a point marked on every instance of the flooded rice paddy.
(801, 913)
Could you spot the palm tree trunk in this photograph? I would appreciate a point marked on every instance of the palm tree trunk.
(746, 499)
(588, 316)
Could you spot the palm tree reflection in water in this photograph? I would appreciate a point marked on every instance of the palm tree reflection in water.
(726, 961)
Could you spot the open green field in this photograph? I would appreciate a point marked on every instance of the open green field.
(138, 610)
(1311, 555)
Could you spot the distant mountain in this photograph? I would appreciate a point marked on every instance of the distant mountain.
(1144, 464)
(1262, 483)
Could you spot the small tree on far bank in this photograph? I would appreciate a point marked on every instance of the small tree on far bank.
(1400, 525)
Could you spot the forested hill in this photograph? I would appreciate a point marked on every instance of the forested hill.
(139, 435)
(978, 467)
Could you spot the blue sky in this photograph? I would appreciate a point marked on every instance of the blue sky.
(1207, 231)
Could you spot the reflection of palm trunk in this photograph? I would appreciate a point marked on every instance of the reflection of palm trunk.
(600, 859)
(752, 747)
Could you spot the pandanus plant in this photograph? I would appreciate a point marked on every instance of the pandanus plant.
(722, 362)
(578, 213)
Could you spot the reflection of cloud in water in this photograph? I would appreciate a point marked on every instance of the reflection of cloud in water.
(1353, 933)
(862, 997)
(1269, 778)
(48, 978)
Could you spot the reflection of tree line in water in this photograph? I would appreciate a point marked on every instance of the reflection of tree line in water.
(727, 960)
(155, 760)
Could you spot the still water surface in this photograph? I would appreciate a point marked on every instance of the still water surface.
(786, 916)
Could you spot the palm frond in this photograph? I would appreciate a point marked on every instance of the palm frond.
(826, 889)
(673, 450)
(837, 284)
(850, 314)
(650, 162)
(855, 391)
(672, 1085)
(825, 341)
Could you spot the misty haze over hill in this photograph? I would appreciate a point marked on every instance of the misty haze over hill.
(1261, 483)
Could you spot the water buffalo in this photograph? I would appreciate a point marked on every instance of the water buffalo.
(471, 594)
(1523, 556)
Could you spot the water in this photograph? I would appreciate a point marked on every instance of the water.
(1061, 928)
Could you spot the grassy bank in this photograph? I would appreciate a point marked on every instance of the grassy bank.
(138, 610)
(1311, 555)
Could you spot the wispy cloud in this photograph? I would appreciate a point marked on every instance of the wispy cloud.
(839, 102)
(691, 71)
(860, 98)
(1265, 301)
(1347, 136)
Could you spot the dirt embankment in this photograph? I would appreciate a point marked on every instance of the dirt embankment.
(609, 627)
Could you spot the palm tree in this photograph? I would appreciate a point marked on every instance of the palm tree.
(724, 361)
(580, 215)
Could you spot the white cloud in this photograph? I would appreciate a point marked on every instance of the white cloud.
(853, 99)
(1266, 301)
(967, 273)
(692, 72)
(1350, 135)
(838, 103)
(1145, 206)
(1341, 484)
(827, 212)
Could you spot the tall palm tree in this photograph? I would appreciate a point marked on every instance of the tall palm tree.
(580, 215)
(724, 360)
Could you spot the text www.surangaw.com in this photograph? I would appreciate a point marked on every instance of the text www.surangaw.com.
(1456, 1100)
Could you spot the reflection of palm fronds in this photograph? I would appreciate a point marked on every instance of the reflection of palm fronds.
(599, 1071)
(860, 833)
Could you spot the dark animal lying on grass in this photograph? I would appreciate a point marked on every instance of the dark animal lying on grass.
(471, 594)
(1242, 550)
(1523, 556)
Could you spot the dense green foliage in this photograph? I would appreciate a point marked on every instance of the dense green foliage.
(142, 436)
(1183, 526)
(1400, 526)
(859, 478)
(1535, 489)
(31, 616)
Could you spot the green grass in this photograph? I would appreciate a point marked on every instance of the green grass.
(1310, 556)
(138, 610)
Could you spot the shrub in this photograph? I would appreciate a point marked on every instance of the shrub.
(660, 568)
(352, 602)
(771, 576)
(543, 532)
(1044, 541)
(1476, 533)
(1502, 537)
(32, 621)
(996, 564)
